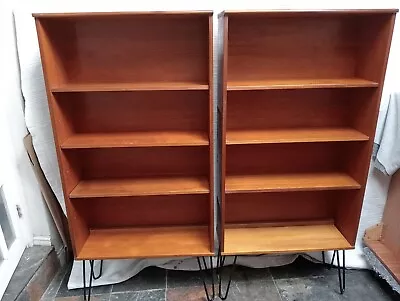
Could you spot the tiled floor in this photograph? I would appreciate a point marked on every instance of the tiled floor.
(300, 281)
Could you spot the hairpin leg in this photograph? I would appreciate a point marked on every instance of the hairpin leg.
(332, 260)
(341, 271)
(204, 272)
(87, 294)
(221, 265)
(100, 272)
(323, 258)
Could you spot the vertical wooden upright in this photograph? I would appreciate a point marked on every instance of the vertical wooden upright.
(130, 97)
(300, 98)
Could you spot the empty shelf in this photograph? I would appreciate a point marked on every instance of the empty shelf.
(109, 87)
(146, 242)
(293, 135)
(282, 239)
(301, 84)
(136, 139)
(289, 182)
(140, 187)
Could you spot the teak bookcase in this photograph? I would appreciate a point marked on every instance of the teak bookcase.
(130, 96)
(300, 99)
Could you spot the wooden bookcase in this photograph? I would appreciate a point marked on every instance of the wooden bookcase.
(130, 97)
(300, 98)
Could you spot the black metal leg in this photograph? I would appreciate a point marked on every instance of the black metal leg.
(100, 272)
(222, 261)
(344, 269)
(84, 279)
(323, 257)
(87, 294)
(204, 272)
(341, 271)
(332, 260)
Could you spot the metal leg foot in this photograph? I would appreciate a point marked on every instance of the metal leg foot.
(205, 273)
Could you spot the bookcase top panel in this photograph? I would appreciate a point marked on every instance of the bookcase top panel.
(295, 12)
(115, 14)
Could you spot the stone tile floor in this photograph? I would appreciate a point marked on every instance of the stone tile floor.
(300, 281)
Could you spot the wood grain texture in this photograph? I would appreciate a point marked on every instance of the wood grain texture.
(144, 211)
(293, 135)
(116, 14)
(289, 77)
(140, 187)
(146, 243)
(120, 80)
(137, 162)
(289, 182)
(291, 158)
(375, 35)
(278, 206)
(135, 139)
(311, 13)
(149, 55)
(283, 239)
(121, 87)
(287, 84)
(61, 129)
(148, 111)
(386, 256)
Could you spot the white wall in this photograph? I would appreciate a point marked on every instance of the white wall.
(24, 187)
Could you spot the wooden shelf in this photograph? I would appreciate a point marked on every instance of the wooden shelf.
(289, 182)
(146, 243)
(140, 187)
(115, 87)
(283, 84)
(136, 139)
(293, 135)
(282, 239)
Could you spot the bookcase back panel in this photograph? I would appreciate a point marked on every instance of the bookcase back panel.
(299, 46)
(136, 111)
(125, 49)
(142, 162)
(288, 109)
(173, 210)
(279, 207)
(289, 158)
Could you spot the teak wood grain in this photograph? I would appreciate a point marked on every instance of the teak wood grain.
(124, 87)
(300, 98)
(283, 239)
(140, 186)
(144, 211)
(158, 111)
(288, 84)
(149, 242)
(135, 139)
(137, 162)
(257, 136)
(130, 96)
(245, 208)
(289, 182)
(295, 109)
